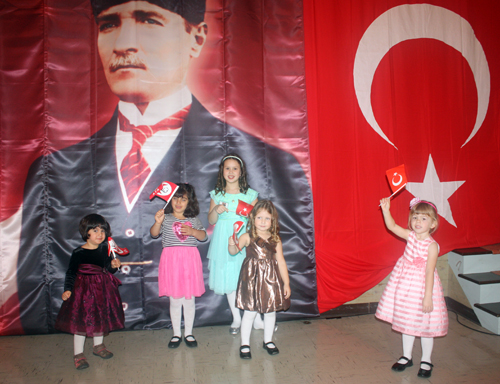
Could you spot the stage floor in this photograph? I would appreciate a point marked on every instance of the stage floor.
(348, 350)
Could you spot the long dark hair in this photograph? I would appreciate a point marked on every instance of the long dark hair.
(193, 208)
(220, 186)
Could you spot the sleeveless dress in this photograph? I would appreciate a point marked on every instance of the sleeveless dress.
(260, 286)
(401, 302)
(225, 268)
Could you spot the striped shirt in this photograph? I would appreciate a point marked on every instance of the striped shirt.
(171, 235)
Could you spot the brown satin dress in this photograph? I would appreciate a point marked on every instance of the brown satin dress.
(260, 286)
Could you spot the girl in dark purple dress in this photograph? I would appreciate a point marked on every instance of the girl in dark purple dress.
(92, 304)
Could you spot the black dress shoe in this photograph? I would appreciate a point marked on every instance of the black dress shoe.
(271, 350)
(245, 355)
(174, 342)
(190, 343)
(401, 367)
(426, 373)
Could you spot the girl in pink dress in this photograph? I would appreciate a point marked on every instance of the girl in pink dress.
(413, 300)
(180, 273)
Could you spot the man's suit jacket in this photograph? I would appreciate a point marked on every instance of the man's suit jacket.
(64, 186)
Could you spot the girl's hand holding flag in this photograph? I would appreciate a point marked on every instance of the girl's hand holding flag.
(397, 180)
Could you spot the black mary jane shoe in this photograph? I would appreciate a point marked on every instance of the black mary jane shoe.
(271, 350)
(398, 367)
(425, 373)
(174, 342)
(190, 343)
(245, 355)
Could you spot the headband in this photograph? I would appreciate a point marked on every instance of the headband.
(193, 11)
(233, 157)
(416, 201)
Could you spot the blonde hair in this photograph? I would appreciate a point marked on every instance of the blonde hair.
(269, 207)
(424, 208)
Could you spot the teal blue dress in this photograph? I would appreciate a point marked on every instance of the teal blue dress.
(225, 268)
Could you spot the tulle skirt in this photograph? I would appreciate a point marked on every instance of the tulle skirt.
(224, 268)
(95, 306)
(180, 273)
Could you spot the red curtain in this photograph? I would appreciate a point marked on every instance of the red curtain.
(427, 95)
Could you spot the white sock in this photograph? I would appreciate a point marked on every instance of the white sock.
(176, 315)
(246, 327)
(258, 323)
(427, 345)
(231, 299)
(189, 312)
(98, 340)
(269, 322)
(78, 344)
(407, 347)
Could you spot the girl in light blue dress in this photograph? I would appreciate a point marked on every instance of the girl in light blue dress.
(224, 268)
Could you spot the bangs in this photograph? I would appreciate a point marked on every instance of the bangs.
(423, 209)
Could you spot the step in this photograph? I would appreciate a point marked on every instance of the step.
(480, 287)
(474, 260)
(491, 308)
(481, 278)
(489, 316)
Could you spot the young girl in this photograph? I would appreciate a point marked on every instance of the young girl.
(92, 304)
(180, 274)
(224, 269)
(413, 299)
(263, 286)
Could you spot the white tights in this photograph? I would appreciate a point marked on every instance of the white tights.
(176, 306)
(79, 343)
(231, 299)
(427, 346)
(246, 326)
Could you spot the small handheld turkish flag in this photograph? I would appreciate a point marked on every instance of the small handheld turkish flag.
(113, 248)
(165, 191)
(397, 178)
(243, 209)
(236, 228)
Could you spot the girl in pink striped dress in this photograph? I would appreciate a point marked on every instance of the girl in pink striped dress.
(413, 300)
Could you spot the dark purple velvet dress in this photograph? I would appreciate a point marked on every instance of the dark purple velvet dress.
(95, 306)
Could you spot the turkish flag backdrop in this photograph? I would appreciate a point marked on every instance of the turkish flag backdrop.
(426, 101)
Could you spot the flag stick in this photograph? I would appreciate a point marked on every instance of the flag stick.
(114, 257)
(404, 185)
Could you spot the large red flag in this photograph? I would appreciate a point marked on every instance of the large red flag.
(400, 82)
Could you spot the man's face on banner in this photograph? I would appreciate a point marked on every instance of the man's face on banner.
(145, 50)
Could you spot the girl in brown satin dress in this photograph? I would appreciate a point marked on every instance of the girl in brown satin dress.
(264, 285)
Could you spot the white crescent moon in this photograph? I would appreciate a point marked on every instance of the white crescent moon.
(399, 182)
(416, 21)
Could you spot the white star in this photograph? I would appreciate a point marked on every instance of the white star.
(435, 191)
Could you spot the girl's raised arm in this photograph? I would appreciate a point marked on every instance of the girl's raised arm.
(283, 270)
(243, 242)
(214, 212)
(391, 225)
(155, 229)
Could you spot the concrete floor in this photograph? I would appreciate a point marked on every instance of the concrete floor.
(347, 350)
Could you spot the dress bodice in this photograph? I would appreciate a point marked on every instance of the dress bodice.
(231, 202)
(261, 249)
(416, 251)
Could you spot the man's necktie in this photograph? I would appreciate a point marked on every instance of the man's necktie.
(134, 168)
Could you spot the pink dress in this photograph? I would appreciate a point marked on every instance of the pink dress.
(401, 302)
